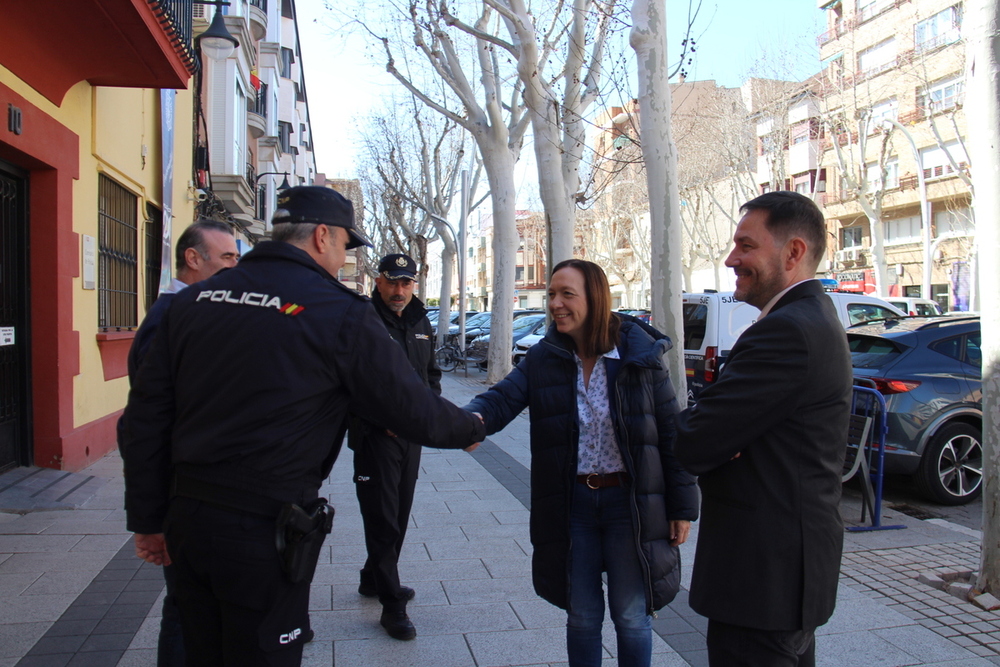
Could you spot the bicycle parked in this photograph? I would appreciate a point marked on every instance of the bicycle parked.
(449, 356)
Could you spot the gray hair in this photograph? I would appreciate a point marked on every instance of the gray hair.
(295, 233)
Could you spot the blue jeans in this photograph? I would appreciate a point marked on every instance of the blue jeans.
(600, 527)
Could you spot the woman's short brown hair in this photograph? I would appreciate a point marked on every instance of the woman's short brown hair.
(600, 328)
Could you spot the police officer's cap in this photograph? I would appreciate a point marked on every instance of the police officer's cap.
(394, 267)
(319, 205)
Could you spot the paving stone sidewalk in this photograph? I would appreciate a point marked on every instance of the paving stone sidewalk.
(71, 594)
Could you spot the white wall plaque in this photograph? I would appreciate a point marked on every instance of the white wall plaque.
(89, 261)
(6, 336)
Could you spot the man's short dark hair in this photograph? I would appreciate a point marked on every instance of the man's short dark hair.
(194, 237)
(792, 214)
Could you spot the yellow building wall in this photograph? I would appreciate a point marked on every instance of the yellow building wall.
(114, 124)
(121, 138)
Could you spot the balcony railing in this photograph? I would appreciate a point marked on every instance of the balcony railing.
(259, 102)
(839, 30)
(943, 39)
(261, 203)
(175, 19)
(259, 4)
(864, 15)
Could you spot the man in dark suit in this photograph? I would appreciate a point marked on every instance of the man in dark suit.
(767, 441)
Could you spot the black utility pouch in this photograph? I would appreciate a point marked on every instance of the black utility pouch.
(299, 535)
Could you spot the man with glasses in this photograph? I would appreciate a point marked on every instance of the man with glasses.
(237, 417)
(386, 466)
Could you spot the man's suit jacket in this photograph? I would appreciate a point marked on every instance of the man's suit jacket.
(771, 535)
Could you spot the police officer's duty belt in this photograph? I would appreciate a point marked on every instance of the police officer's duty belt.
(224, 496)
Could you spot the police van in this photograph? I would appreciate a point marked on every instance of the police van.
(714, 320)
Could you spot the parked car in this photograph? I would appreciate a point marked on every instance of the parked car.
(452, 318)
(640, 313)
(523, 326)
(521, 346)
(930, 371)
(915, 306)
(475, 325)
(714, 320)
(479, 325)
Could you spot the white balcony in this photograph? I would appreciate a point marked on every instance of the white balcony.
(803, 156)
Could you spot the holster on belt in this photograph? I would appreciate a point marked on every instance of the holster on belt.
(299, 534)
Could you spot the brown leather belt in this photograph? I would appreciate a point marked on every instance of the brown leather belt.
(598, 481)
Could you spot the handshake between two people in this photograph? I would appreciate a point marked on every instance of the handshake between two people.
(470, 448)
(473, 446)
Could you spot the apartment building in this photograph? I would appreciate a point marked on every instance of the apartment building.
(721, 164)
(353, 274)
(254, 134)
(530, 272)
(893, 149)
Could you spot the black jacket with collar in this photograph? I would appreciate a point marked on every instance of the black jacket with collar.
(643, 406)
(249, 381)
(413, 332)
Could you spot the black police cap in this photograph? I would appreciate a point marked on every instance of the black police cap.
(319, 205)
(398, 266)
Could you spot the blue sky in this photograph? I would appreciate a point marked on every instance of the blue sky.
(734, 39)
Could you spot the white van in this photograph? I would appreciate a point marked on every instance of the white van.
(714, 320)
(916, 306)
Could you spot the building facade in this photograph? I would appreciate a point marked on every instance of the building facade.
(897, 195)
(95, 159)
(254, 133)
(119, 133)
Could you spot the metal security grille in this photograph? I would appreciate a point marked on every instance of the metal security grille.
(14, 334)
(154, 252)
(117, 247)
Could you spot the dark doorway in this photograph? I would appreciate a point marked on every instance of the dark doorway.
(15, 338)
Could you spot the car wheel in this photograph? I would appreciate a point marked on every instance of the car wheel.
(951, 469)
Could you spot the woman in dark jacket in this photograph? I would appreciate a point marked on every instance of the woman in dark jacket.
(606, 493)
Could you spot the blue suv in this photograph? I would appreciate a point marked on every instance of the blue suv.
(930, 371)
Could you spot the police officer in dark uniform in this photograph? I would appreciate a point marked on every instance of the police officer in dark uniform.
(386, 466)
(237, 416)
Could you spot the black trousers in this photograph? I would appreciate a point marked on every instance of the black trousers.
(738, 646)
(385, 474)
(170, 646)
(236, 606)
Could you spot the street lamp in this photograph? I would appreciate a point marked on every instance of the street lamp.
(284, 182)
(217, 43)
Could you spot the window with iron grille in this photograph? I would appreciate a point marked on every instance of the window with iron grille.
(117, 247)
(154, 252)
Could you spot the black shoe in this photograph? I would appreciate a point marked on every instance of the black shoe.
(398, 625)
(369, 591)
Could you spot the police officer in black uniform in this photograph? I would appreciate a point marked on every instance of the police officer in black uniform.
(237, 416)
(386, 466)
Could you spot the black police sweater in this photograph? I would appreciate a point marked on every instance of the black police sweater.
(249, 381)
